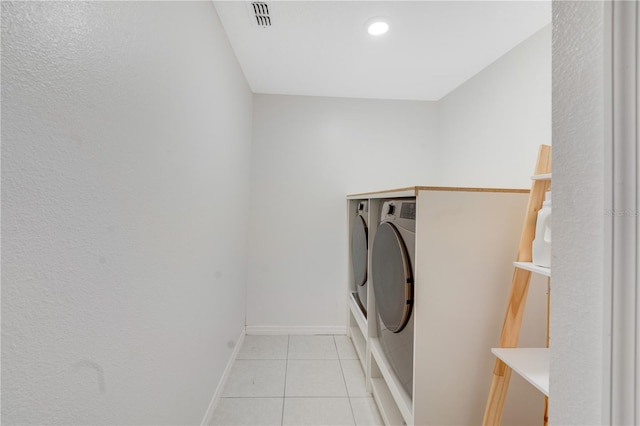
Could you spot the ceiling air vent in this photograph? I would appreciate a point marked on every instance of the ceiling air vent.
(261, 12)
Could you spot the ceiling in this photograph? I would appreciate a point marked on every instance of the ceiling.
(321, 48)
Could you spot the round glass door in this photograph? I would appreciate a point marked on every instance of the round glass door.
(392, 278)
(359, 251)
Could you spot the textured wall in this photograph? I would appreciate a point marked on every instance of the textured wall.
(125, 161)
(492, 125)
(578, 220)
(308, 153)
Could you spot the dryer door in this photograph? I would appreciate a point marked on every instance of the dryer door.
(359, 251)
(392, 278)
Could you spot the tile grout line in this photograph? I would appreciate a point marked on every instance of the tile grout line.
(284, 397)
(284, 393)
(353, 416)
(296, 397)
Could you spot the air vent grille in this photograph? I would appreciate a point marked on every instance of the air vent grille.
(261, 12)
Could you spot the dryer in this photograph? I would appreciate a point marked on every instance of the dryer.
(393, 256)
(360, 254)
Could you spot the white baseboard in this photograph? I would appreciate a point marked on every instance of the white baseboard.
(275, 330)
(225, 374)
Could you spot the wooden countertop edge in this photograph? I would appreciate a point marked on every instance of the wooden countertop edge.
(416, 189)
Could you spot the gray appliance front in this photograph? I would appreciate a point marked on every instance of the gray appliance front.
(360, 254)
(392, 278)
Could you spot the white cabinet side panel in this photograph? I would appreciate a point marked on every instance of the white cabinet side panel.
(466, 245)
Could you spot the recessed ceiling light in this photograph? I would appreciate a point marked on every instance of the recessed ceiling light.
(377, 26)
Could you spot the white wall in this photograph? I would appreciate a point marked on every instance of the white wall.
(126, 133)
(492, 125)
(578, 257)
(308, 153)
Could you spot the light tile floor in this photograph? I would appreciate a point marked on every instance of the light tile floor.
(296, 380)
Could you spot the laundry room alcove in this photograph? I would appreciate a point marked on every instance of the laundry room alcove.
(455, 274)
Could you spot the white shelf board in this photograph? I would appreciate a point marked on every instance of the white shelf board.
(401, 398)
(546, 176)
(357, 314)
(387, 406)
(392, 193)
(533, 268)
(530, 363)
(360, 344)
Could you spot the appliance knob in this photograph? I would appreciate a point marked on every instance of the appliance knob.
(390, 209)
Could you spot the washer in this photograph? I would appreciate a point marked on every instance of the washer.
(393, 257)
(360, 254)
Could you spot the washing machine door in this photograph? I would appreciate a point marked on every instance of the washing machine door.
(392, 278)
(359, 251)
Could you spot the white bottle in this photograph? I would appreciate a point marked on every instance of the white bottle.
(541, 250)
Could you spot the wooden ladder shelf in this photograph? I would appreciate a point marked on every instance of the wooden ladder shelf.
(519, 288)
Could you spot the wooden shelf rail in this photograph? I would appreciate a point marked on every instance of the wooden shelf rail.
(519, 288)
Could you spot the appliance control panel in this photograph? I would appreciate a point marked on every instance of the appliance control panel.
(363, 206)
(408, 211)
(398, 209)
(388, 210)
